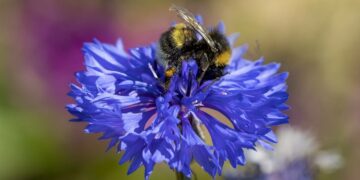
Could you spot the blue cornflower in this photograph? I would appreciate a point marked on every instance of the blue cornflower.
(121, 95)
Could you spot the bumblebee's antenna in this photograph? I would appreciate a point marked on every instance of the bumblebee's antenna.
(189, 18)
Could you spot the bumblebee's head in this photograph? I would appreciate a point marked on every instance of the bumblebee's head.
(223, 54)
(183, 36)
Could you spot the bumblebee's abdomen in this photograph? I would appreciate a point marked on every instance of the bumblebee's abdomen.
(217, 60)
(222, 59)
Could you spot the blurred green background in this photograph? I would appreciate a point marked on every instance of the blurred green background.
(317, 41)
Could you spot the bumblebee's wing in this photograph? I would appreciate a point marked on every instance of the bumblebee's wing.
(189, 18)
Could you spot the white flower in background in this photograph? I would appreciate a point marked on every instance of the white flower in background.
(295, 157)
(293, 144)
(328, 161)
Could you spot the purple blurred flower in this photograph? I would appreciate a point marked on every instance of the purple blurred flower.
(56, 30)
(120, 96)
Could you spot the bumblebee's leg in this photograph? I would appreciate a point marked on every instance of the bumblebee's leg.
(204, 65)
(169, 73)
(173, 63)
(212, 82)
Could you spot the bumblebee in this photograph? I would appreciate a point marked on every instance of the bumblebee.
(181, 42)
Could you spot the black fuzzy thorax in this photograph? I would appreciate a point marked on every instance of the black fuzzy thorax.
(172, 56)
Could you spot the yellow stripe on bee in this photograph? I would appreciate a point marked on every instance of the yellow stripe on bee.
(178, 35)
(223, 58)
(170, 72)
(180, 26)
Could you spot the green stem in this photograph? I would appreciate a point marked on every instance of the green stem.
(196, 127)
(180, 176)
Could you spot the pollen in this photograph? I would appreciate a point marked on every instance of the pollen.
(223, 58)
(170, 72)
